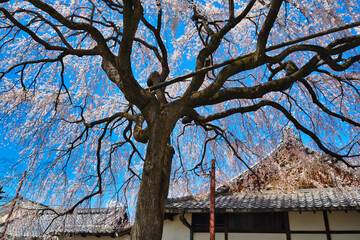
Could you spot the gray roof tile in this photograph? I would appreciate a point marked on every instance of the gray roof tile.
(35, 222)
(312, 199)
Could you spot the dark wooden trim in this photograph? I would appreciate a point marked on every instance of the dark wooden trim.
(346, 232)
(286, 230)
(212, 201)
(271, 210)
(240, 231)
(287, 225)
(226, 226)
(308, 232)
(184, 221)
(187, 224)
(324, 232)
(192, 227)
(327, 227)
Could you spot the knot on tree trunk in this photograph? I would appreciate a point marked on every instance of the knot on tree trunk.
(110, 71)
(153, 80)
(140, 135)
(190, 116)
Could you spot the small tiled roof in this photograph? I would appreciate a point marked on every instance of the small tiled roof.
(281, 173)
(94, 221)
(293, 165)
(301, 200)
(37, 222)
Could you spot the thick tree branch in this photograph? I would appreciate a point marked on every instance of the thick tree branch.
(271, 48)
(266, 27)
(325, 109)
(157, 33)
(213, 90)
(318, 142)
(132, 13)
(249, 62)
(211, 47)
(95, 33)
(227, 113)
(140, 135)
(231, 10)
(126, 82)
(33, 35)
(286, 113)
(210, 95)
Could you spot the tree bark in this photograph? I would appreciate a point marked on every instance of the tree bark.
(154, 184)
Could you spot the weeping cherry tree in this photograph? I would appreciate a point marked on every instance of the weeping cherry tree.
(134, 97)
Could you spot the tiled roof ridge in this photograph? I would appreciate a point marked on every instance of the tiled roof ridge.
(104, 221)
(78, 210)
(347, 198)
(262, 192)
(184, 198)
(35, 219)
(196, 196)
(21, 199)
(83, 211)
(289, 137)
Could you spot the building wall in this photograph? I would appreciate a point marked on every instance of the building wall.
(175, 229)
(306, 226)
(303, 226)
(344, 220)
(338, 221)
(237, 236)
(257, 236)
(308, 236)
(306, 221)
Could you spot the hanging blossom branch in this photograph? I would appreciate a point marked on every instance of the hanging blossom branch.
(271, 48)
(242, 110)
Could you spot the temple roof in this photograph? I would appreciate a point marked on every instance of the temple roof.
(293, 165)
(271, 201)
(34, 220)
(291, 177)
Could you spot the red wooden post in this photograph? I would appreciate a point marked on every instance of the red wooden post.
(12, 206)
(212, 201)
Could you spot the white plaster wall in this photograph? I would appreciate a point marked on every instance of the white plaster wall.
(308, 221)
(340, 220)
(308, 237)
(176, 230)
(345, 236)
(257, 236)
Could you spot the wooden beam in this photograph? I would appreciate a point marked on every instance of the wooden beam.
(327, 227)
(287, 225)
(212, 201)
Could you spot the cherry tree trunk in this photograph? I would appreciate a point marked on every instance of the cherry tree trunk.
(154, 184)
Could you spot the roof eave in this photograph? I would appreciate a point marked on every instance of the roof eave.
(242, 210)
